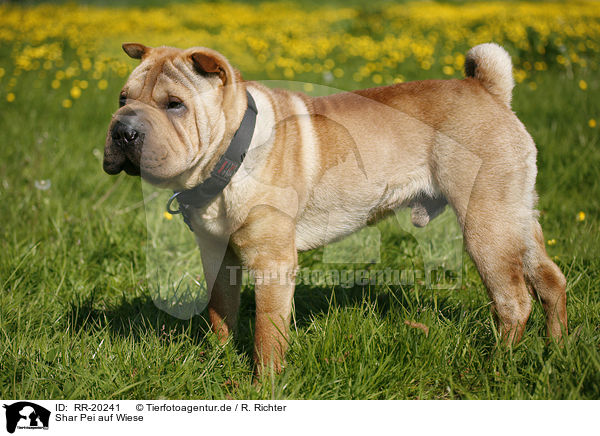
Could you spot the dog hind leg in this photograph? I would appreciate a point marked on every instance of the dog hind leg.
(491, 220)
(497, 253)
(547, 282)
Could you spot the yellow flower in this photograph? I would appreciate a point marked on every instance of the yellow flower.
(520, 75)
(583, 84)
(288, 73)
(55, 84)
(102, 84)
(167, 215)
(10, 97)
(86, 64)
(75, 92)
(308, 87)
(592, 123)
(377, 78)
(448, 70)
(581, 216)
(551, 242)
(532, 86)
(66, 103)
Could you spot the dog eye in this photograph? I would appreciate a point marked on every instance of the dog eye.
(122, 100)
(175, 103)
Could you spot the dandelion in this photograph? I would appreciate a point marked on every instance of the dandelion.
(583, 84)
(448, 70)
(42, 185)
(167, 215)
(66, 103)
(377, 78)
(581, 216)
(551, 242)
(10, 97)
(55, 84)
(308, 87)
(532, 86)
(75, 92)
(520, 75)
(592, 123)
(102, 84)
(288, 73)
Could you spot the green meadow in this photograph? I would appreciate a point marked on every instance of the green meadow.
(77, 316)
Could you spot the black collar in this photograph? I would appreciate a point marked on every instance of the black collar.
(223, 171)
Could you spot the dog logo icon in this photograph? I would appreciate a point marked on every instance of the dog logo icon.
(26, 415)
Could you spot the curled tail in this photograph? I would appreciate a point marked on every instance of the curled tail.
(491, 65)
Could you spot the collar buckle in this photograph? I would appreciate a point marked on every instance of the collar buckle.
(171, 211)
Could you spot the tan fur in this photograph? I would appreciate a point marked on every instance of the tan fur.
(319, 169)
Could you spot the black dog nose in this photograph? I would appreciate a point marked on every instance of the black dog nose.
(124, 134)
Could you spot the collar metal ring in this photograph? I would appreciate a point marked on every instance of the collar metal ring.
(171, 211)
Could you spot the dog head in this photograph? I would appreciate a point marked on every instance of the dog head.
(178, 111)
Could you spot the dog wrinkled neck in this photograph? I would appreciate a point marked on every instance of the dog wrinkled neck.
(223, 171)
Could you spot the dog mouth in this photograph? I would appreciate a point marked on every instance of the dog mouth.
(119, 161)
(137, 157)
(114, 167)
(123, 151)
(131, 168)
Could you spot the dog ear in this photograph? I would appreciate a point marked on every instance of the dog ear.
(135, 50)
(207, 63)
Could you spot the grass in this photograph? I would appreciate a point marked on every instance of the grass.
(77, 319)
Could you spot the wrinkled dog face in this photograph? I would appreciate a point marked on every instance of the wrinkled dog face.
(172, 116)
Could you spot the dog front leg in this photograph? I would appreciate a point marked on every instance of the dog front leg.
(223, 277)
(273, 311)
(224, 303)
(266, 244)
